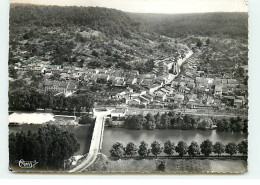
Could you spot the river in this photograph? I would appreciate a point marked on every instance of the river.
(111, 135)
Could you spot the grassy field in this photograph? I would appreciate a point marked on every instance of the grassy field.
(105, 165)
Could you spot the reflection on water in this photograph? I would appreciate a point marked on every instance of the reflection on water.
(112, 135)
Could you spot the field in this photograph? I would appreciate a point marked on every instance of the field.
(105, 165)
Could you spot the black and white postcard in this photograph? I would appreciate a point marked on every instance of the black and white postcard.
(128, 86)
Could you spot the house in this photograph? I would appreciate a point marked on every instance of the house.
(191, 85)
(169, 89)
(133, 102)
(175, 84)
(88, 76)
(131, 81)
(218, 90)
(121, 95)
(182, 89)
(178, 98)
(146, 82)
(118, 112)
(146, 97)
(238, 103)
(200, 81)
(63, 87)
(102, 77)
(120, 81)
(160, 96)
(71, 88)
(153, 88)
(210, 100)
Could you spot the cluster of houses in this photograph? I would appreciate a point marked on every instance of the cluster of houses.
(61, 87)
(160, 87)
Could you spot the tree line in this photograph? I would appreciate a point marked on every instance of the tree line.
(32, 99)
(172, 120)
(109, 21)
(206, 148)
(49, 146)
(231, 25)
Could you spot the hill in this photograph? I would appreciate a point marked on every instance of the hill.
(82, 36)
(230, 25)
(109, 21)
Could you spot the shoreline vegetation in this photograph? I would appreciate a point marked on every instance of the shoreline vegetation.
(169, 120)
(172, 120)
(206, 149)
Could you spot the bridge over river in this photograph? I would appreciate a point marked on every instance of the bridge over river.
(96, 141)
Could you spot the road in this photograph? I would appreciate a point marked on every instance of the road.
(132, 111)
(96, 142)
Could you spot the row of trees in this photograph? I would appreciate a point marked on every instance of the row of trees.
(177, 121)
(49, 146)
(232, 124)
(31, 99)
(194, 149)
(164, 121)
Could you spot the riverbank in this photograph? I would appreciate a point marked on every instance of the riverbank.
(112, 135)
(105, 165)
(36, 118)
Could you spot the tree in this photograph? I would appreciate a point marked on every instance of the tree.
(231, 148)
(157, 118)
(164, 122)
(220, 125)
(238, 125)
(13, 73)
(135, 122)
(156, 148)
(243, 147)
(84, 120)
(218, 148)
(50, 146)
(169, 147)
(150, 122)
(227, 124)
(95, 53)
(208, 41)
(131, 149)
(143, 150)
(108, 122)
(206, 147)
(161, 166)
(181, 148)
(117, 150)
(199, 43)
(245, 129)
(194, 149)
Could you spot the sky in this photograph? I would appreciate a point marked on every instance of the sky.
(153, 6)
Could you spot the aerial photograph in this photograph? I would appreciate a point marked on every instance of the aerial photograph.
(128, 86)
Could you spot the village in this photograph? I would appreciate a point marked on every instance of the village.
(173, 84)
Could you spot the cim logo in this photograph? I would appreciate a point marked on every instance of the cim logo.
(27, 164)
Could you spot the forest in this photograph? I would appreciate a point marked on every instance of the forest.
(109, 21)
(231, 25)
(49, 146)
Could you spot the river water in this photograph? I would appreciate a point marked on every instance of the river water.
(112, 135)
